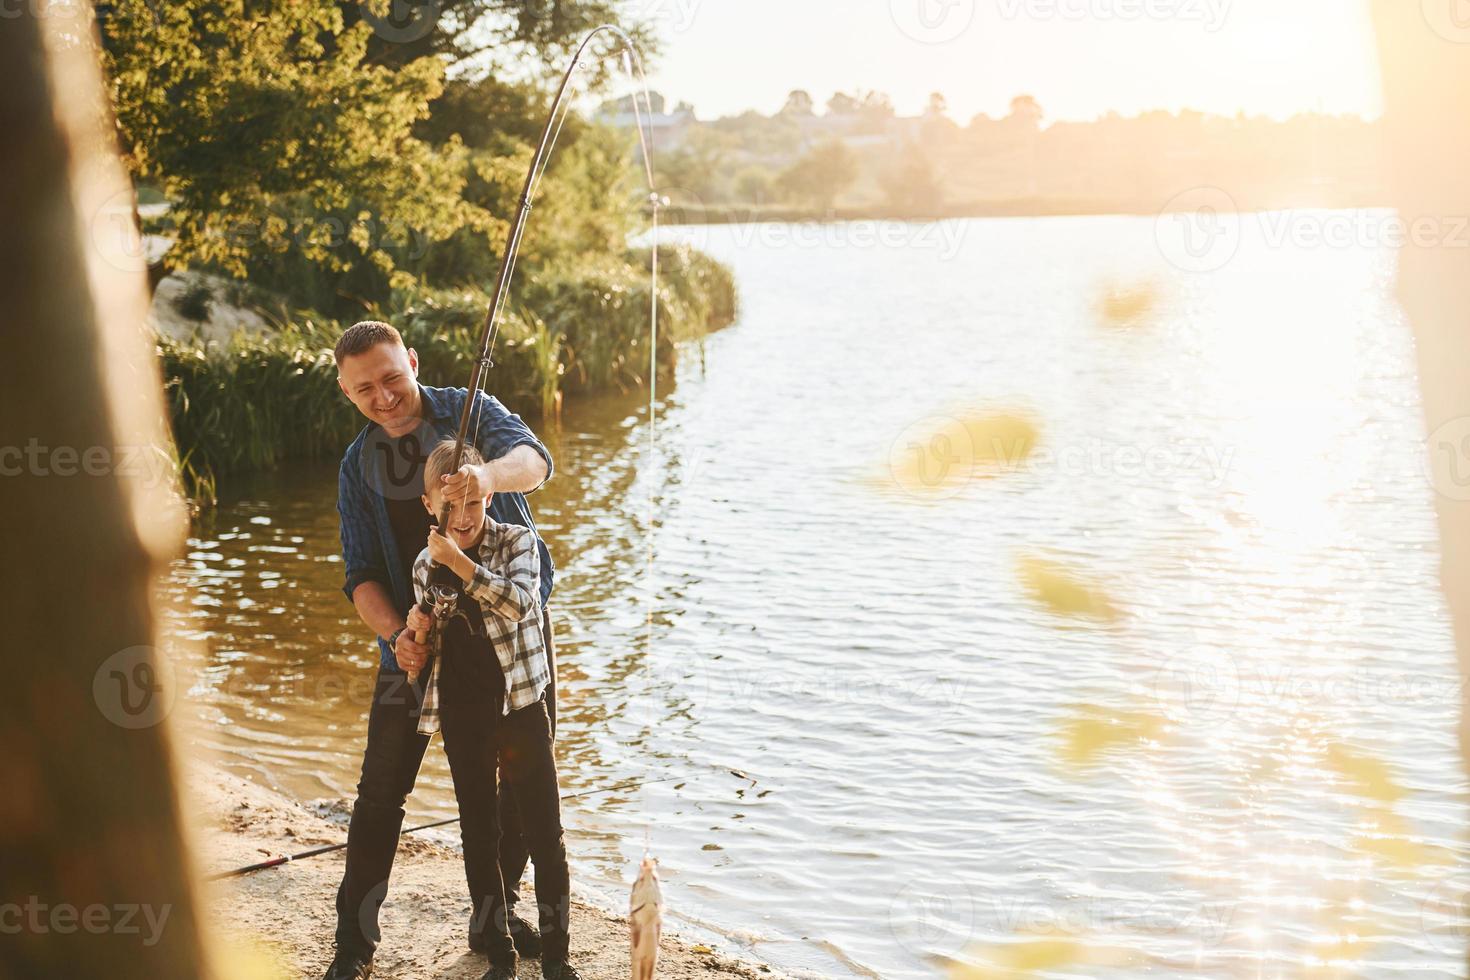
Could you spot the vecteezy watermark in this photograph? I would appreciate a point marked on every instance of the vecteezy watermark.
(945, 236)
(1212, 14)
(938, 456)
(1206, 687)
(401, 21)
(1450, 19)
(932, 21)
(944, 915)
(1446, 459)
(1199, 230)
(879, 690)
(1362, 229)
(64, 919)
(134, 688)
(676, 16)
(150, 465)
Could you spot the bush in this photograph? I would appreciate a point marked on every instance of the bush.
(259, 400)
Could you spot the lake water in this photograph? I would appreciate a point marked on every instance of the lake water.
(853, 708)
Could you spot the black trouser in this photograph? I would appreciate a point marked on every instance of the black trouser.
(390, 766)
(473, 738)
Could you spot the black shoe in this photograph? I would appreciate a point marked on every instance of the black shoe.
(523, 936)
(501, 971)
(348, 965)
(560, 970)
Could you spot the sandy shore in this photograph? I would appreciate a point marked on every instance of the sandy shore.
(288, 911)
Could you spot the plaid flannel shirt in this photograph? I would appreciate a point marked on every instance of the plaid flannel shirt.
(506, 583)
(369, 553)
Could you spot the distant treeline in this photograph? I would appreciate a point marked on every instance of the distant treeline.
(859, 158)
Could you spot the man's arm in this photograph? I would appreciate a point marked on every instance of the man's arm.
(375, 607)
(521, 470)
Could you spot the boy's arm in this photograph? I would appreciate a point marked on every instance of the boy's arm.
(422, 568)
(516, 592)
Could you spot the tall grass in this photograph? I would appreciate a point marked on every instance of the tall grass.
(256, 401)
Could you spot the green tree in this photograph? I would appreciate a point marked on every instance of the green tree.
(820, 176)
(910, 183)
(275, 138)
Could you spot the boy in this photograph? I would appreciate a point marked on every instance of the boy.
(486, 690)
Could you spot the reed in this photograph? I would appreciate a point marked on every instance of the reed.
(256, 401)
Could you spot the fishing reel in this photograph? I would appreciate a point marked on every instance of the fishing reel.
(441, 599)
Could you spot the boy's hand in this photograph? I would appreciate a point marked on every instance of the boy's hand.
(419, 621)
(468, 483)
(443, 551)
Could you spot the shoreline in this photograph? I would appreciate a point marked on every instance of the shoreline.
(743, 214)
(285, 916)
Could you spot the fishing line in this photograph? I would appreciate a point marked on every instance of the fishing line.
(329, 848)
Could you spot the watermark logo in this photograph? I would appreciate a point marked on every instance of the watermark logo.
(1450, 19)
(401, 21)
(934, 457)
(932, 21)
(134, 688)
(1199, 230)
(1445, 915)
(393, 467)
(676, 16)
(1198, 690)
(1212, 14)
(934, 916)
(113, 232)
(1446, 459)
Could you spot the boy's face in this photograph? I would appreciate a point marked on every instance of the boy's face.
(465, 520)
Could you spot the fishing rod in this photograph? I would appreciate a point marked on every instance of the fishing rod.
(329, 848)
(440, 597)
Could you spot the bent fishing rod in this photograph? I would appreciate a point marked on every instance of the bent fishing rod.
(329, 848)
(440, 597)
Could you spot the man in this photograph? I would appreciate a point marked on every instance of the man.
(384, 525)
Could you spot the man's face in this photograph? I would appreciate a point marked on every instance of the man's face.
(382, 382)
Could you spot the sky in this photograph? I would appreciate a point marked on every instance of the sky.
(1079, 58)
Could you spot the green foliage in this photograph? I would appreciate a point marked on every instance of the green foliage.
(910, 183)
(257, 401)
(817, 178)
(277, 144)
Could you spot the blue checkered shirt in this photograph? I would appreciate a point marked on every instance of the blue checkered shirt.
(368, 547)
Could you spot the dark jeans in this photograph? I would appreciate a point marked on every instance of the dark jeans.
(390, 766)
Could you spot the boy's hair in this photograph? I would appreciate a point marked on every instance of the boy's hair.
(441, 461)
(365, 336)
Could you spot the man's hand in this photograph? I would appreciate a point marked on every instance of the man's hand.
(468, 483)
(410, 654)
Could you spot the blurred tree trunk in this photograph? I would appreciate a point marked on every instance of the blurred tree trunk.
(95, 873)
(1425, 56)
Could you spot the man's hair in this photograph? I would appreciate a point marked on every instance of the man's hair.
(441, 462)
(365, 336)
